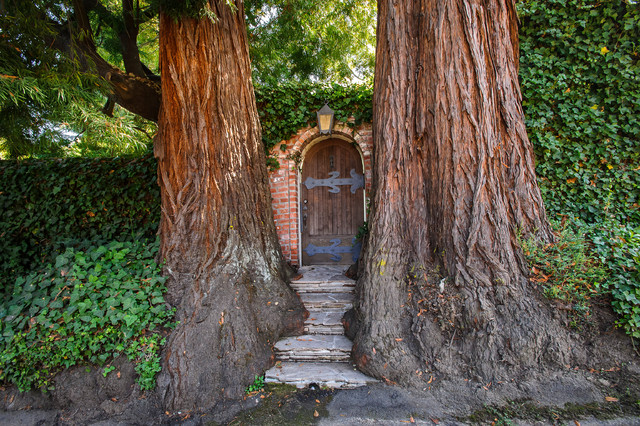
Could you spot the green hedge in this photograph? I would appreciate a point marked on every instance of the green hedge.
(48, 206)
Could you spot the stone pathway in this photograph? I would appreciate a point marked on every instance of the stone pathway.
(323, 354)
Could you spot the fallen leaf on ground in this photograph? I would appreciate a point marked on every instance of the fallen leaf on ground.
(611, 399)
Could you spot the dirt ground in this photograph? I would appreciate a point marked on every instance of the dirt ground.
(603, 391)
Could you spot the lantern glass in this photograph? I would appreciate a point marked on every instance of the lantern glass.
(325, 119)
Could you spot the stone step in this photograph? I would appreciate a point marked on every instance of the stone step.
(330, 287)
(314, 348)
(324, 322)
(322, 301)
(338, 375)
(323, 274)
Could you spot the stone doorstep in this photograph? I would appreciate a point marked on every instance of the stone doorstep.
(323, 274)
(338, 375)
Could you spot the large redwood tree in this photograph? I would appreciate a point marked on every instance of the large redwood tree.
(443, 286)
(226, 272)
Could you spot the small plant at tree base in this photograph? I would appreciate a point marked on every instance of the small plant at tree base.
(567, 270)
(258, 384)
(363, 230)
(108, 370)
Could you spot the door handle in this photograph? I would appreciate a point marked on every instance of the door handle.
(304, 215)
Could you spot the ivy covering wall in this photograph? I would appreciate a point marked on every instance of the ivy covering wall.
(287, 108)
(580, 78)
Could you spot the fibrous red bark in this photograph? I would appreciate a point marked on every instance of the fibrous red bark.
(444, 286)
(226, 272)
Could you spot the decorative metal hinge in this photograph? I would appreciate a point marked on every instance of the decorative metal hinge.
(335, 250)
(356, 181)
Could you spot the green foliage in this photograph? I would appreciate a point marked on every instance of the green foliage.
(580, 78)
(50, 205)
(363, 231)
(108, 20)
(286, 108)
(257, 385)
(48, 106)
(190, 8)
(567, 270)
(589, 260)
(311, 40)
(618, 247)
(89, 307)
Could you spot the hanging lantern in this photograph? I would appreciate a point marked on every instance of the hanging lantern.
(325, 119)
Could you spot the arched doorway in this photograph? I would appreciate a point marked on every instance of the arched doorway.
(332, 203)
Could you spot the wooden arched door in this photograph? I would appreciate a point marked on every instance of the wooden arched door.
(332, 203)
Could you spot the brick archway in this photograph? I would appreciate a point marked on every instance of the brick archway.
(285, 182)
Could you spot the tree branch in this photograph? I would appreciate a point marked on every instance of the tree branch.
(136, 93)
(128, 35)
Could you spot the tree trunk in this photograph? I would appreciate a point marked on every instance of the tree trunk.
(444, 285)
(225, 268)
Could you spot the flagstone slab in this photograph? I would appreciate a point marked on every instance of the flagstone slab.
(323, 274)
(320, 301)
(324, 287)
(333, 375)
(324, 322)
(318, 348)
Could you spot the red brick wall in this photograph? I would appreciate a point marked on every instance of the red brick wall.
(285, 181)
